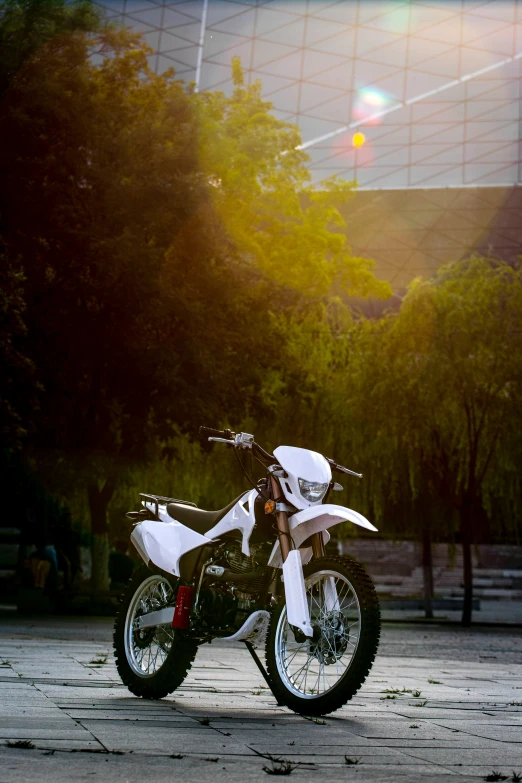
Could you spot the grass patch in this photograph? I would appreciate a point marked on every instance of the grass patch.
(24, 744)
(434, 682)
(280, 767)
(100, 660)
(176, 756)
(204, 721)
(350, 761)
(494, 776)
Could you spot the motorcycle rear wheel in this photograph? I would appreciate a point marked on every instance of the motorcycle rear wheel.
(318, 676)
(152, 662)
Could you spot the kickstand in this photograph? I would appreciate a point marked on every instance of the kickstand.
(251, 649)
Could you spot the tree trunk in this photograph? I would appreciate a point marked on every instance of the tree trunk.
(466, 520)
(98, 503)
(427, 570)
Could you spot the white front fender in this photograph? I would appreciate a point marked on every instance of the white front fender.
(305, 523)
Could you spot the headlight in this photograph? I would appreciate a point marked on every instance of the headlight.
(312, 490)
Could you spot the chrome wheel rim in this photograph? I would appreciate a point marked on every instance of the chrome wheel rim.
(147, 649)
(311, 668)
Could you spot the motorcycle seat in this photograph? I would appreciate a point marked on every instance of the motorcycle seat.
(195, 518)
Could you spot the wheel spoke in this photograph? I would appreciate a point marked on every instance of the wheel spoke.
(148, 648)
(313, 667)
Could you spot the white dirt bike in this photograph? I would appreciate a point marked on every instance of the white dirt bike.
(255, 571)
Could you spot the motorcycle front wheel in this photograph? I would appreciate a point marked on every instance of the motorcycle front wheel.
(317, 676)
(152, 662)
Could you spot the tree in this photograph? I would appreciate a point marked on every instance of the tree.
(425, 402)
(452, 388)
(107, 207)
(291, 230)
(17, 382)
(26, 25)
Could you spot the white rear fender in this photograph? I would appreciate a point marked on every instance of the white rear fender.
(163, 543)
(312, 520)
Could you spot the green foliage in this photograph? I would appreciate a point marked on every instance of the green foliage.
(17, 382)
(26, 25)
(290, 230)
(457, 355)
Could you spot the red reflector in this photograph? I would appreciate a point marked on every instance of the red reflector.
(183, 607)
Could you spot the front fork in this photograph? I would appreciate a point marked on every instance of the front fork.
(298, 613)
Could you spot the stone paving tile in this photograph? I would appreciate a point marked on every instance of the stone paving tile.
(38, 732)
(486, 757)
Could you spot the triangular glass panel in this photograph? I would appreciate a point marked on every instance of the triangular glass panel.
(291, 34)
(153, 17)
(212, 76)
(289, 65)
(270, 19)
(319, 29)
(243, 51)
(217, 42)
(170, 42)
(189, 32)
(173, 18)
(318, 62)
(242, 23)
(342, 12)
(343, 44)
(286, 99)
(445, 65)
(221, 11)
(313, 95)
(339, 77)
(372, 40)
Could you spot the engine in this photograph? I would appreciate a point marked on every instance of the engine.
(223, 605)
(241, 564)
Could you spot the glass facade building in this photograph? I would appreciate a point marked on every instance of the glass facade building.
(434, 87)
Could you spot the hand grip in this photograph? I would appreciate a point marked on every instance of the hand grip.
(209, 432)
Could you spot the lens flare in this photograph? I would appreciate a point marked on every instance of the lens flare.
(353, 150)
(369, 101)
(374, 98)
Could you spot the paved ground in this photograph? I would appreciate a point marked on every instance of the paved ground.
(466, 722)
(490, 612)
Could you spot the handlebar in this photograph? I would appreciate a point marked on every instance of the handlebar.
(342, 469)
(239, 440)
(264, 455)
(243, 440)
